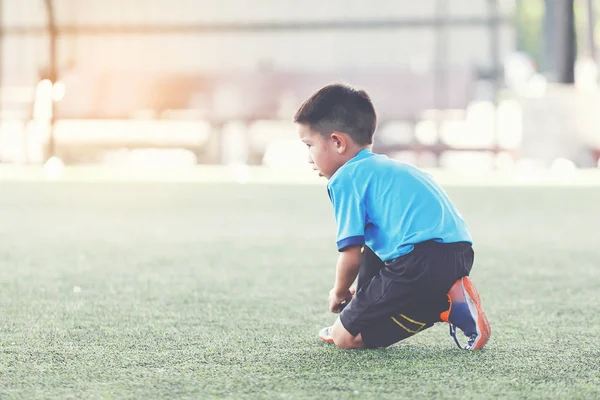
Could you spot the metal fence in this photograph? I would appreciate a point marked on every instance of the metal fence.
(221, 62)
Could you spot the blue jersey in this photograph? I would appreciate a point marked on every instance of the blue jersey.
(390, 206)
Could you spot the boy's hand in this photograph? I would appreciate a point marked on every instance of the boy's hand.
(352, 291)
(336, 299)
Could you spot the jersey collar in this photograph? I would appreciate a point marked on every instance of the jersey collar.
(364, 153)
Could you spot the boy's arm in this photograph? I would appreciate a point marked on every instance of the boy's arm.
(346, 271)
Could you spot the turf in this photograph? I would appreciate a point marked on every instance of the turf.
(157, 290)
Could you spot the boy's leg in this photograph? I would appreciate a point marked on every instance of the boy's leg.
(370, 265)
(407, 296)
(382, 333)
(344, 339)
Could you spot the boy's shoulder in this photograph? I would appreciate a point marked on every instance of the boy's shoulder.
(373, 164)
(358, 175)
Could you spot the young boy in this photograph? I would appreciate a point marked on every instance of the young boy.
(397, 230)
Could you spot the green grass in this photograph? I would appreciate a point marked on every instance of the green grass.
(213, 291)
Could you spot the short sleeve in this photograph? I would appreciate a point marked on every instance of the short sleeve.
(349, 211)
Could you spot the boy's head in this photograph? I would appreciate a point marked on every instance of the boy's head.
(336, 122)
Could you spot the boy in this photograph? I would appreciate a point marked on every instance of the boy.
(397, 230)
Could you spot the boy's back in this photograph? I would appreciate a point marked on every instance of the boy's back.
(391, 206)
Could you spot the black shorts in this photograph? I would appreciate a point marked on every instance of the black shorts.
(395, 300)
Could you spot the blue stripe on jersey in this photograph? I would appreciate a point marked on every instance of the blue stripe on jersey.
(350, 241)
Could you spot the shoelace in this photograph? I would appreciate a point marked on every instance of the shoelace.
(469, 344)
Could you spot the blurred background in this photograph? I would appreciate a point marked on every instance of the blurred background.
(458, 84)
(134, 263)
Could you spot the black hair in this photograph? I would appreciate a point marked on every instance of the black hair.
(342, 108)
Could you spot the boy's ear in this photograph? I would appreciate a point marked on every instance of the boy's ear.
(340, 142)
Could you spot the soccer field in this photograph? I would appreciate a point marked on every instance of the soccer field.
(187, 290)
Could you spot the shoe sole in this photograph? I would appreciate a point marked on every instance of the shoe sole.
(484, 330)
(328, 339)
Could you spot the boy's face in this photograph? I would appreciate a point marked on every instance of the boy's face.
(323, 152)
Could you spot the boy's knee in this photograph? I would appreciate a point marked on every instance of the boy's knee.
(344, 339)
